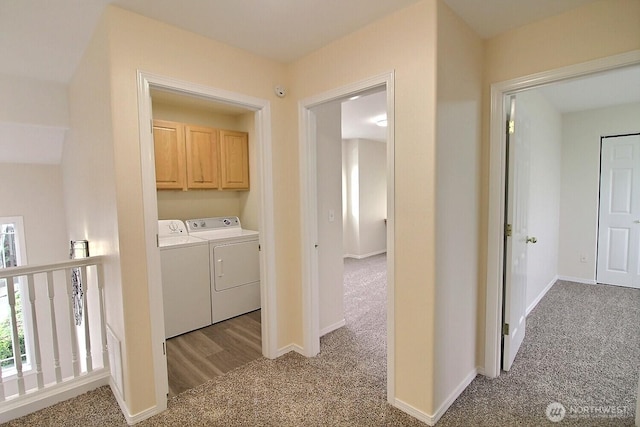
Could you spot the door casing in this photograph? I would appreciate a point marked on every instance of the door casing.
(309, 214)
(262, 110)
(496, 205)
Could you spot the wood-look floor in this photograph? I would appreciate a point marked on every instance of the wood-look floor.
(198, 356)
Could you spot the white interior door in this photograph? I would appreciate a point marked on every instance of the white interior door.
(516, 235)
(619, 220)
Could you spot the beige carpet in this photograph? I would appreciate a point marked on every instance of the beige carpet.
(345, 385)
(582, 350)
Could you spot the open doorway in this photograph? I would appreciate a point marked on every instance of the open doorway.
(211, 327)
(258, 111)
(323, 224)
(562, 227)
(497, 199)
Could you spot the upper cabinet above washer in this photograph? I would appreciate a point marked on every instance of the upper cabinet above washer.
(198, 157)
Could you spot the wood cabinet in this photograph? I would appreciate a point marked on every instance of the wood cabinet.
(168, 146)
(199, 157)
(234, 164)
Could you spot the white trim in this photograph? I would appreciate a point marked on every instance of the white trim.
(262, 110)
(136, 418)
(454, 395)
(50, 395)
(578, 280)
(331, 328)
(541, 295)
(493, 320)
(384, 251)
(415, 412)
(309, 223)
(433, 419)
(289, 348)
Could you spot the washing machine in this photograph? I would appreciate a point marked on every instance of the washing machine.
(186, 290)
(234, 265)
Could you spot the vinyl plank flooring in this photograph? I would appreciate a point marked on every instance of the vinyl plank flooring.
(198, 356)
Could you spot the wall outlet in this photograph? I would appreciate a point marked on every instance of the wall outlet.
(583, 258)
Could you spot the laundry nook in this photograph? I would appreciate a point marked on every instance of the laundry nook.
(207, 235)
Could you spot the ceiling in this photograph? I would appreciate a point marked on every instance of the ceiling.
(45, 39)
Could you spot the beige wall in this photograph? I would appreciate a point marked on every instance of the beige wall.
(89, 178)
(596, 30)
(35, 193)
(138, 43)
(405, 43)
(459, 99)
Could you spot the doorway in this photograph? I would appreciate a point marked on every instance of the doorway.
(497, 198)
(310, 212)
(262, 129)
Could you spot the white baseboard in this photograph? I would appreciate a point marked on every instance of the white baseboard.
(415, 412)
(291, 347)
(331, 328)
(454, 395)
(541, 295)
(45, 397)
(433, 419)
(578, 280)
(135, 418)
(365, 255)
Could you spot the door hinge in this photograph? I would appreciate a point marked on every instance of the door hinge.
(507, 230)
(505, 329)
(151, 123)
(511, 127)
(164, 349)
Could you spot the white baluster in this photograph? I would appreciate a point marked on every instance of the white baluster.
(17, 355)
(84, 278)
(1, 385)
(103, 320)
(54, 328)
(75, 361)
(34, 328)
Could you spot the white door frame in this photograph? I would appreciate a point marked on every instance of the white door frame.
(309, 214)
(495, 249)
(262, 109)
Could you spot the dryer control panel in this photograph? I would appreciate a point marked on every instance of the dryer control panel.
(216, 223)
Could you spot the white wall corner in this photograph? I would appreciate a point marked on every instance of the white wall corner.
(289, 348)
(454, 395)
(541, 295)
(415, 412)
(331, 328)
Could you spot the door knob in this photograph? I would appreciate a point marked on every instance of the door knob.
(531, 240)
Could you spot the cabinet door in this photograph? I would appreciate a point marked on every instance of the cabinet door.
(202, 157)
(168, 146)
(234, 164)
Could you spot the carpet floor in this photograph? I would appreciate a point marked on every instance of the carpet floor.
(582, 350)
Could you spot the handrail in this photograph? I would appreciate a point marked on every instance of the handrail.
(43, 268)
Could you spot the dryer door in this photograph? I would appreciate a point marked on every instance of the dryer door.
(235, 264)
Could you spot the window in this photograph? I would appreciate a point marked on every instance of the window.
(12, 254)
